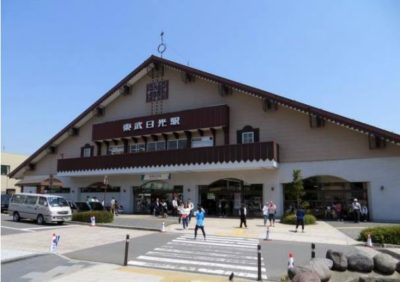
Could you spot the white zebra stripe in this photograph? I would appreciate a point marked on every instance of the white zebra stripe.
(194, 269)
(201, 242)
(219, 254)
(201, 263)
(204, 257)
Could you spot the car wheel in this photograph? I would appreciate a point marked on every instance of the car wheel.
(16, 217)
(40, 219)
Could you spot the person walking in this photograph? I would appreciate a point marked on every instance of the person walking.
(271, 213)
(185, 216)
(338, 210)
(175, 207)
(112, 203)
(243, 216)
(364, 213)
(265, 213)
(191, 207)
(199, 214)
(356, 210)
(300, 213)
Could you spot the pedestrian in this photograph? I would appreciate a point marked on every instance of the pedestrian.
(243, 215)
(271, 213)
(180, 212)
(199, 214)
(116, 207)
(175, 207)
(112, 203)
(338, 210)
(191, 207)
(364, 212)
(185, 216)
(265, 213)
(300, 213)
(164, 208)
(356, 210)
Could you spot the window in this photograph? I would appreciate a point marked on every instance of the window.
(155, 146)
(247, 137)
(18, 199)
(42, 201)
(5, 169)
(30, 200)
(176, 144)
(99, 189)
(87, 151)
(136, 148)
(116, 150)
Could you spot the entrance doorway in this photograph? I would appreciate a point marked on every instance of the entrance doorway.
(146, 195)
(323, 193)
(225, 196)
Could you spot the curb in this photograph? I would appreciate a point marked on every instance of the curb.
(117, 226)
(5, 261)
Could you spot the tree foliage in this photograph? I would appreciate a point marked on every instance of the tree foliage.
(297, 188)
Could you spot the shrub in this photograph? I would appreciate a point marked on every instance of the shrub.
(291, 219)
(101, 216)
(382, 234)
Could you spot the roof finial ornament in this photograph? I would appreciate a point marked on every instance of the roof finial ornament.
(161, 47)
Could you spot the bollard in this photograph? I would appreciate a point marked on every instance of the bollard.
(312, 250)
(259, 262)
(126, 250)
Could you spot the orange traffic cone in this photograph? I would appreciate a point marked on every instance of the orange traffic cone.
(291, 261)
(369, 241)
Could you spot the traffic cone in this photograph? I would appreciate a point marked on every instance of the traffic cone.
(369, 241)
(267, 235)
(291, 261)
(163, 227)
(92, 221)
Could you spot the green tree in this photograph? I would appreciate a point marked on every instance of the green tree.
(297, 188)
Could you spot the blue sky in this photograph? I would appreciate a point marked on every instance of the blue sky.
(59, 56)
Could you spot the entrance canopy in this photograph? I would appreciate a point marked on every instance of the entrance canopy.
(40, 181)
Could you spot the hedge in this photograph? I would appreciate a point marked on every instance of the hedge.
(291, 219)
(382, 234)
(101, 216)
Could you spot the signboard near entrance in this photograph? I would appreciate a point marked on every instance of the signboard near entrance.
(156, 176)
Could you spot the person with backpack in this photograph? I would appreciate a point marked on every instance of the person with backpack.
(199, 214)
(243, 216)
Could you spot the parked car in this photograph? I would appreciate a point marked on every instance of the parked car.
(5, 199)
(86, 206)
(43, 208)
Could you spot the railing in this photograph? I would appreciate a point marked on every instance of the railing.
(204, 155)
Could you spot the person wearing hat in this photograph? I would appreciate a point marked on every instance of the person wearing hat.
(356, 210)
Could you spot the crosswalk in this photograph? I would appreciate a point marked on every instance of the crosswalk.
(217, 255)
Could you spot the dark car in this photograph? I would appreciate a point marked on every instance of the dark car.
(85, 206)
(5, 199)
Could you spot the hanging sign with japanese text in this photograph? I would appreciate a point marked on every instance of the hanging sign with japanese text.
(210, 117)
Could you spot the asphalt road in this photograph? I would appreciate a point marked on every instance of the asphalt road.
(9, 227)
(40, 268)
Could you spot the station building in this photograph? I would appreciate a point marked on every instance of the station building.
(169, 130)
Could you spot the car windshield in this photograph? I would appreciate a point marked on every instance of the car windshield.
(83, 206)
(57, 202)
(96, 206)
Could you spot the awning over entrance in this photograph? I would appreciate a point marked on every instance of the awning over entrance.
(40, 181)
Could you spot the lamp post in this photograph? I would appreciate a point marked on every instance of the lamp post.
(105, 181)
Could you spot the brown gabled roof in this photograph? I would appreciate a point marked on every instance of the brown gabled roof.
(334, 118)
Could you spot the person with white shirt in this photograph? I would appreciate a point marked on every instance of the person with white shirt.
(265, 214)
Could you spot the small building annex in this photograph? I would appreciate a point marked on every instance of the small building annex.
(167, 130)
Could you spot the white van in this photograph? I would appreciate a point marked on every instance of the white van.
(40, 207)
